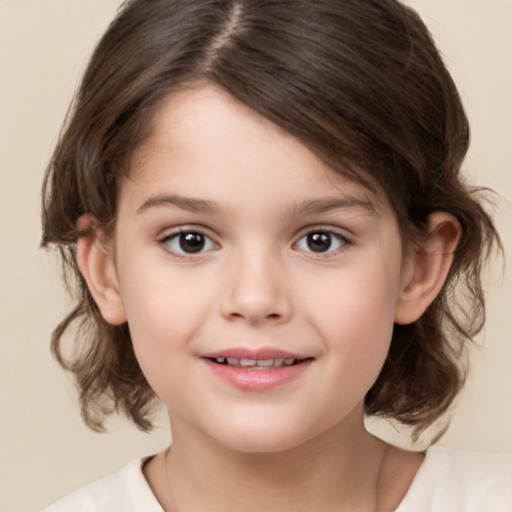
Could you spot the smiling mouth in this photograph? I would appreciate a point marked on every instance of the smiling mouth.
(258, 370)
(256, 364)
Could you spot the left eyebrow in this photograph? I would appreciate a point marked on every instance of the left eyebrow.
(317, 206)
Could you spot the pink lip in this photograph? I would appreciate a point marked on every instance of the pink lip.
(254, 353)
(248, 379)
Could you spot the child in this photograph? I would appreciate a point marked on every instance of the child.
(262, 205)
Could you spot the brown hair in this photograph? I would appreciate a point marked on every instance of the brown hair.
(360, 82)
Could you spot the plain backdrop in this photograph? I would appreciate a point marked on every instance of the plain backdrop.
(45, 451)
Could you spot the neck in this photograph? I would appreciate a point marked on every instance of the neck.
(339, 470)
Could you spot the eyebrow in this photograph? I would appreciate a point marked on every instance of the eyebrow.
(315, 206)
(189, 204)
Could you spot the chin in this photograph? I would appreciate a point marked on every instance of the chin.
(265, 439)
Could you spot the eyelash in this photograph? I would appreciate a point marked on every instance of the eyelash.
(206, 243)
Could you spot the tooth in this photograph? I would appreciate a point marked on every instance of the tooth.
(220, 359)
(278, 362)
(247, 362)
(233, 360)
(289, 362)
(265, 362)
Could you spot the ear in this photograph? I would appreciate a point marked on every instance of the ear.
(427, 267)
(96, 263)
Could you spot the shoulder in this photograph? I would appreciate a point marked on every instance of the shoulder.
(126, 490)
(460, 480)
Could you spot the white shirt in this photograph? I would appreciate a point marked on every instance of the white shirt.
(447, 481)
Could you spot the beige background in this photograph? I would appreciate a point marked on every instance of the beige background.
(45, 450)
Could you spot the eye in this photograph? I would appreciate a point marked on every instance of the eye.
(188, 243)
(320, 241)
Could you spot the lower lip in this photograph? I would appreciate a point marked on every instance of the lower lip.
(258, 380)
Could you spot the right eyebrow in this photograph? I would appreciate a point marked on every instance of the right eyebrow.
(189, 204)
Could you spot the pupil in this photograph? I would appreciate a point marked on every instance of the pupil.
(319, 242)
(191, 242)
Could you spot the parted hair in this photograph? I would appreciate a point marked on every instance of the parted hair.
(360, 82)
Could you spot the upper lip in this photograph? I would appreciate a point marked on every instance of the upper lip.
(263, 353)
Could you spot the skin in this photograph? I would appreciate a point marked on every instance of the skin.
(259, 282)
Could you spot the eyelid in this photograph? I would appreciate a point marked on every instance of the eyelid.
(327, 228)
(185, 228)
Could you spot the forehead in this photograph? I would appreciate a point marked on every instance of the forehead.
(201, 135)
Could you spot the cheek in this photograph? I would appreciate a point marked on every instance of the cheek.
(355, 315)
(163, 315)
(161, 327)
(354, 300)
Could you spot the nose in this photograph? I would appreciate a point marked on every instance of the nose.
(257, 290)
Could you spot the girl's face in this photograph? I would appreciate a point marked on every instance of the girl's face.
(260, 287)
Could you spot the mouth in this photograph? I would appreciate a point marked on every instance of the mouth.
(257, 370)
(257, 364)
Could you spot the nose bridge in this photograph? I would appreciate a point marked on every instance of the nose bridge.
(257, 289)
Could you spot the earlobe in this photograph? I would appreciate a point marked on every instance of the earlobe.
(96, 264)
(427, 267)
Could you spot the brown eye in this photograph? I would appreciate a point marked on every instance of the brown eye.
(320, 241)
(188, 243)
(192, 242)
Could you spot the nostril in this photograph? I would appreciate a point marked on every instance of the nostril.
(253, 312)
(255, 305)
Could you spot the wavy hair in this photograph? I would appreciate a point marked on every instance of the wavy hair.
(360, 82)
